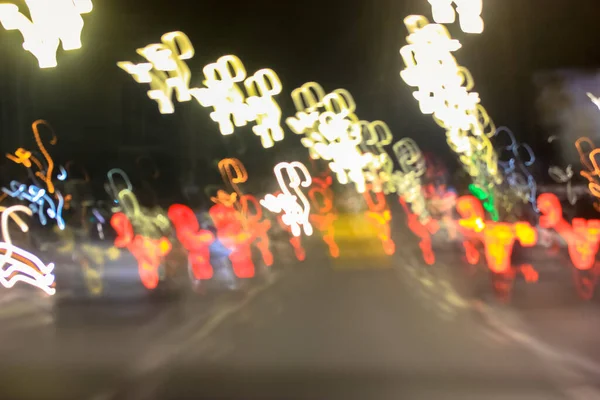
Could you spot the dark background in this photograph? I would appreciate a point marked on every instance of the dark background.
(104, 119)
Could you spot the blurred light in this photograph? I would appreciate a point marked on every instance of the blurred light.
(231, 232)
(594, 99)
(423, 229)
(582, 237)
(223, 93)
(21, 156)
(40, 202)
(261, 88)
(238, 225)
(468, 10)
(498, 238)
(52, 22)
(166, 70)
(564, 176)
(380, 216)
(444, 90)
(258, 228)
(487, 198)
(31, 270)
(519, 180)
(324, 216)
(148, 252)
(408, 179)
(114, 189)
(331, 130)
(380, 166)
(195, 240)
(295, 207)
(588, 155)
(63, 174)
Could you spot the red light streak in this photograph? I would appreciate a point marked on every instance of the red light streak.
(195, 240)
(148, 252)
(324, 215)
(423, 230)
(582, 236)
(232, 234)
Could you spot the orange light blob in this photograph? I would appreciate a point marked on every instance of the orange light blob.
(195, 240)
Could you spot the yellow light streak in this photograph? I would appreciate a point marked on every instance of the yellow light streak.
(223, 93)
(52, 22)
(261, 87)
(445, 91)
(165, 71)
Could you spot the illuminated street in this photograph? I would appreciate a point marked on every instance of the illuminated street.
(383, 327)
(316, 199)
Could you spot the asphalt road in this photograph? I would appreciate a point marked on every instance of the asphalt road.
(364, 326)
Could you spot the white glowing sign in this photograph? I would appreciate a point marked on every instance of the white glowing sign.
(52, 22)
(295, 206)
(18, 265)
(469, 12)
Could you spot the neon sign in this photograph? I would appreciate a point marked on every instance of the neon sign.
(295, 207)
(22, 265)
(52, 22)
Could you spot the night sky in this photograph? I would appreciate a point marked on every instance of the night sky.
(104, 119)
